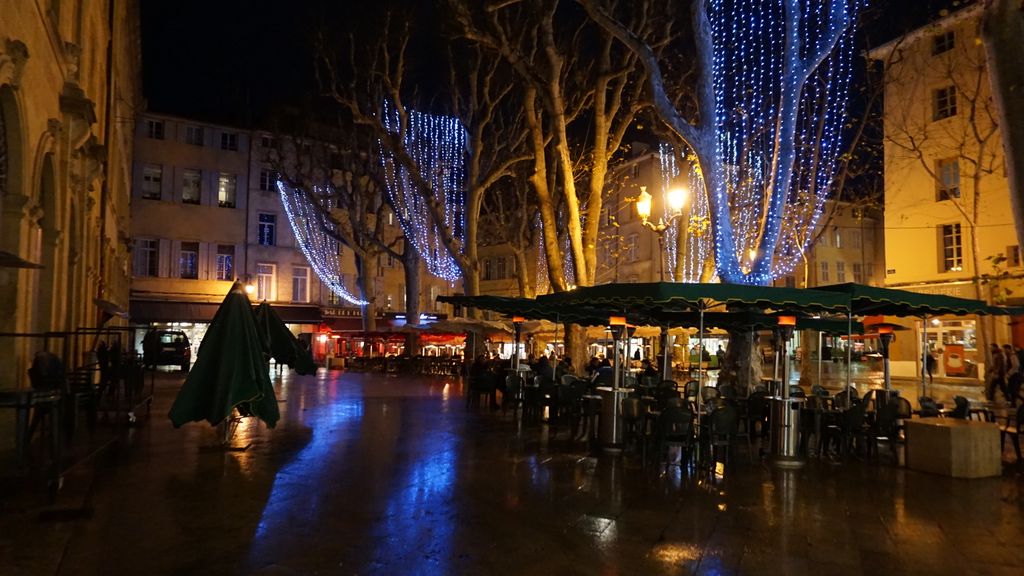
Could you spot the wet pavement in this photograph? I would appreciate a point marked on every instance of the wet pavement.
(374, 474)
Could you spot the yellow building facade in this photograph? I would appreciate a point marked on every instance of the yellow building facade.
(948, 225)
(69, 90)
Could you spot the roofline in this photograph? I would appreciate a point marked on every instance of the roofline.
(968, 12)
(187, 120)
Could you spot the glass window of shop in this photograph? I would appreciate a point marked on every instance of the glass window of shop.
(954, 344)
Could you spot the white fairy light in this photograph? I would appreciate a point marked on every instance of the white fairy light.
(313, 230)
(438, 146)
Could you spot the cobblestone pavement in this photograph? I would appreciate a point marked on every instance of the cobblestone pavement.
(370, 474)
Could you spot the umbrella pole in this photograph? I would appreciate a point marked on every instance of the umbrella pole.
(849, 354)
(924, 354)
(700, 361)
(666, 362)
(819, 359)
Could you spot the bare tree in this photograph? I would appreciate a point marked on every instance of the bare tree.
(370, 82)
(956, 143)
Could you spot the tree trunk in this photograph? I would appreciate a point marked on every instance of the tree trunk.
(742, 363)
(1001, 30)
(411, 266)
(576, 346)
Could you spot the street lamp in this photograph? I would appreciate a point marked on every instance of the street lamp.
(676, 199)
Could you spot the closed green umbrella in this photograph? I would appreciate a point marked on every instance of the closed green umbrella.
(230, 372)
(280, 343)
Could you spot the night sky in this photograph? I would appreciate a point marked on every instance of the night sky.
(241, 62)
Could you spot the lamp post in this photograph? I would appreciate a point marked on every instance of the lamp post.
(676, 201)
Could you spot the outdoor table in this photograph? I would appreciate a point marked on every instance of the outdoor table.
(954, 447)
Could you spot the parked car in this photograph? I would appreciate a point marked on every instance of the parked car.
(167, 348)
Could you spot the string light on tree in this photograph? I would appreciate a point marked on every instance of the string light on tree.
(313, 233)
(698, 241)
(437, 146)
(781, 71)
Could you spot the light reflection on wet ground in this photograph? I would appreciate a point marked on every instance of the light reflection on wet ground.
(391, 475)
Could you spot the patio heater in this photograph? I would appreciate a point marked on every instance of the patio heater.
(517, 326)
(785, 410)
(885, 338)
(610, 424)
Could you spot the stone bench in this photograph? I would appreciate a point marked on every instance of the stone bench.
(958, 448)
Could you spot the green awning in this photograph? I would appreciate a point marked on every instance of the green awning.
(872, 300)
(667, 296)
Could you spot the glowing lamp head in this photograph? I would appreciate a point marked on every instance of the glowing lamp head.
(617, 321)
(677, 199)
(250, 289)
(643, 204)
(518, 319)
(787, 320)
(322, 338)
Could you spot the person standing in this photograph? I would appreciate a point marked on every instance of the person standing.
(1013, 374)
(996, 373)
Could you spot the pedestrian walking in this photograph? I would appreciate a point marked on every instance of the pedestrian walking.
(995, 378)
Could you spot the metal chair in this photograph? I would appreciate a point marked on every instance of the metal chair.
(1012, 430)
(675, 428)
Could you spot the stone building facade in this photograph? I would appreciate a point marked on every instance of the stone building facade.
(69, 89)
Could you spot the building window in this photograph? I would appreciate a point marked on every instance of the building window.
(824, 272)
(1013, 256)
(191, 186)
(869, 272)
(947, 176)
(226, 184)
(488, 269)
(229, 141)
(952, 248)
(265, 280)
(300, 284)
(194, 135)
(790, 282)
(823, 240)
(943, 42)
(840, 272)
(152, 181)
(631, 245)
(858, 273)
(268, 141)
(225, 262)
(155, 129)
(147, 258)
(855, 239)
(266, 233)
(837, 236)
(268, 179)
(943, 103)
(499, 269)
(188, 260)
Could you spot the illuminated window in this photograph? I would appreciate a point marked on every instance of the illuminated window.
(952, 248)
(226, 185)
